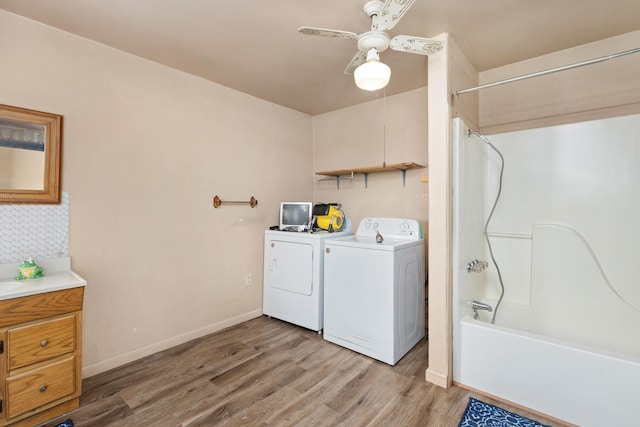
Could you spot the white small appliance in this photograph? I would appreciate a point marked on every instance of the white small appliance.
(295, 216)
(294, 275)
(374, 283)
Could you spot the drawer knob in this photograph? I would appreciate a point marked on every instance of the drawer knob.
(44, 343)
(43, 389)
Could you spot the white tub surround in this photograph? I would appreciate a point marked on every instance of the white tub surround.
(564, 340)
(57, 275)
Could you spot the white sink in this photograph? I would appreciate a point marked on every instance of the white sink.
(10, 285)
(57, 276)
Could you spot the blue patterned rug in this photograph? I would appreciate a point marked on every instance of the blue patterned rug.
(480, 414)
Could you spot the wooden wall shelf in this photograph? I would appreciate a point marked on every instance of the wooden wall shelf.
(337, 174)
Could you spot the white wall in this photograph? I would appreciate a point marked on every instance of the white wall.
(354, 137)
(145, 150)
(606, 89)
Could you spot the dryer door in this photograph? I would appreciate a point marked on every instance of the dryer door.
(290, 267)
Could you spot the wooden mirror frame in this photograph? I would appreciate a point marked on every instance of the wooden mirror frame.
(50, 192)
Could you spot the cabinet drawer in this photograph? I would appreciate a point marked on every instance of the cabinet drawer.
(40, 386)
(40, 341)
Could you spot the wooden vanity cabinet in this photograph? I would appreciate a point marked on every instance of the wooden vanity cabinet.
(40, 356)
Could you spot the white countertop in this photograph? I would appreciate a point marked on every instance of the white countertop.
(57, 275)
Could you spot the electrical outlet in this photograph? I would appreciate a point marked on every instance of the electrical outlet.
(248, 280)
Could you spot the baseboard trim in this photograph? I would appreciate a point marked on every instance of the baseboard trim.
(138, 353)
(437, 378)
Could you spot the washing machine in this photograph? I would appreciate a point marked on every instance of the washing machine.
(293, 275)
(374, 285)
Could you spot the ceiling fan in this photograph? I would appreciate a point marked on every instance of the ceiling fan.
(369, 73)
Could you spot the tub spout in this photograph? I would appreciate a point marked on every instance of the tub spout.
(477, 305)
(477, 266)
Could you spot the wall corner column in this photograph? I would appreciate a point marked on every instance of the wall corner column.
(440, 370)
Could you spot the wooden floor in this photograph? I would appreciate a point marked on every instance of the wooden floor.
(266, 372)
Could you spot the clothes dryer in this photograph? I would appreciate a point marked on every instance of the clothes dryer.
(374, 284)
(293, 275)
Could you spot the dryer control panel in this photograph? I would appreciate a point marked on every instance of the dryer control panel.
(392, 228)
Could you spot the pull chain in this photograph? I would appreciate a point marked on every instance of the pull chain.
(384, 128)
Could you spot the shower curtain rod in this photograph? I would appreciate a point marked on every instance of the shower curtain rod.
(550, 71)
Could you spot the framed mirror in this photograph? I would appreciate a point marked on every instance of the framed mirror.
(30, 149)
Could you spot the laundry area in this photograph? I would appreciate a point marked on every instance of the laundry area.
(362, 288)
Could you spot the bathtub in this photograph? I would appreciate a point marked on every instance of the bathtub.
(566, 340)
(570, 382)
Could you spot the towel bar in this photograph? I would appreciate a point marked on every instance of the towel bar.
(217, 202)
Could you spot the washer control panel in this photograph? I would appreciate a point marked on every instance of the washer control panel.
(390, 228)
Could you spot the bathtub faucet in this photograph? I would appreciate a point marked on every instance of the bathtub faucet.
(477, 266)
(477, 305)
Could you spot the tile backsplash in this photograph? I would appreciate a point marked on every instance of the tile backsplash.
(32, 230)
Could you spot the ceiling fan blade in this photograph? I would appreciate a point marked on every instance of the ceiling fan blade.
(392, 12)
(325, 32)
(359, 58)
(417, 45)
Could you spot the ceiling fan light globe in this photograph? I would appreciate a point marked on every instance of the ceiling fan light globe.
(372, 75)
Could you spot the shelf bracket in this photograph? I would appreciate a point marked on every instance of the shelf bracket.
(366, 180)
(336, 178)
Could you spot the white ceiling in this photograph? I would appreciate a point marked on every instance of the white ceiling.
(253, 45)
